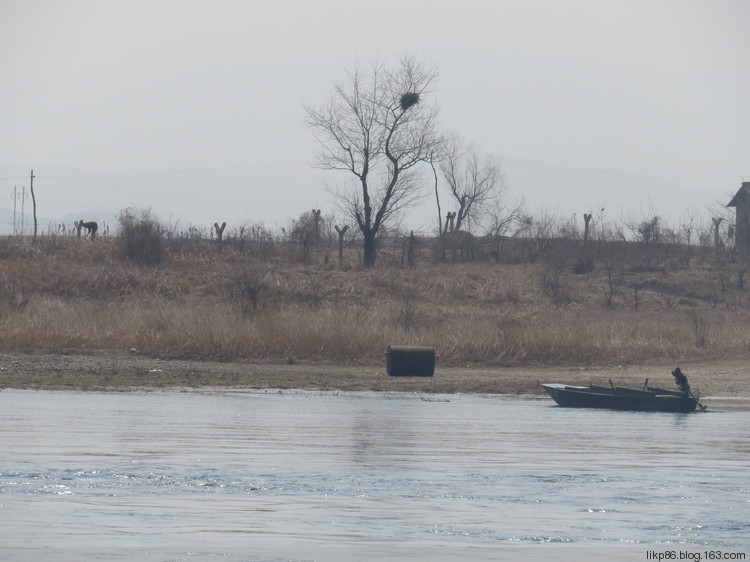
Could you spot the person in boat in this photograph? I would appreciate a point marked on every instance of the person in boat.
(682, 382)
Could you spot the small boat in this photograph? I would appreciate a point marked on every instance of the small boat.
(647, 398)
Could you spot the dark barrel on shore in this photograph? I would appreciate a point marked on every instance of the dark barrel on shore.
(410, 361)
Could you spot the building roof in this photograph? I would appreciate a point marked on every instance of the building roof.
(743, 192)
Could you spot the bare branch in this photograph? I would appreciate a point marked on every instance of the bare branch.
(475, 180)
(367, 131)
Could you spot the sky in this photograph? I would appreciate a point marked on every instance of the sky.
(195, 109)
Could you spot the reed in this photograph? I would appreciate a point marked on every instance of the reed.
(227, 305)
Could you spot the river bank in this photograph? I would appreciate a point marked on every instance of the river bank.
(114, 371)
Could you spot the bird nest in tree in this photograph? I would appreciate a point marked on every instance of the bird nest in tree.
(409, 99)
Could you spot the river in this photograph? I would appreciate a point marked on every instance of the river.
(193, 475)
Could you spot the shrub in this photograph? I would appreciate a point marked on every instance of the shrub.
(249, 284)
(141, 237)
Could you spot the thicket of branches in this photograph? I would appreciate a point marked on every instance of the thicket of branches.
(511, 235)
(380, 128)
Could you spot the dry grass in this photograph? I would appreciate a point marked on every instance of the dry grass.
(67, 294)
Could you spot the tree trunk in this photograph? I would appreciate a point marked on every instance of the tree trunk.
(368, 259)
(437, 199)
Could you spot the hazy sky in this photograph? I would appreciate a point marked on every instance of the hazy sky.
(194, 108)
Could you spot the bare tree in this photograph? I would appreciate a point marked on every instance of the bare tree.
(378, 126)
(647, 232)
(475, 180)
(506, 220)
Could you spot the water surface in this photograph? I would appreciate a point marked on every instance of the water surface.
(279, 475)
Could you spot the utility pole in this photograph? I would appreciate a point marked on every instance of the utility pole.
(33, 200)
(15, 198)
(23, 199)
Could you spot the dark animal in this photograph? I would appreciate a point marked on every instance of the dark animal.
(91, 228)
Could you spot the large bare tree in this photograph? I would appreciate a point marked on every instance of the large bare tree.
(378, 125)
(475, 180)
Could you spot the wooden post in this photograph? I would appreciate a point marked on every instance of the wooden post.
(587, 219)
(316, 232)
(341, 232)
(220, 231)
(449, 218)
(585, 263)
(717, 237)
(410, 251)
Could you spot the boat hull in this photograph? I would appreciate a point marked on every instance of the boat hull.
(616, 398)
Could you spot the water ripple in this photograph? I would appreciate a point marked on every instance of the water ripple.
(185, 470)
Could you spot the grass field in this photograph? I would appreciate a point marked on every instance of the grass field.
(507, 302)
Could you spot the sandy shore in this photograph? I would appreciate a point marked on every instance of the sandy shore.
(105, 371)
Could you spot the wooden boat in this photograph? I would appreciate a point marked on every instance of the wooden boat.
(647, 398)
